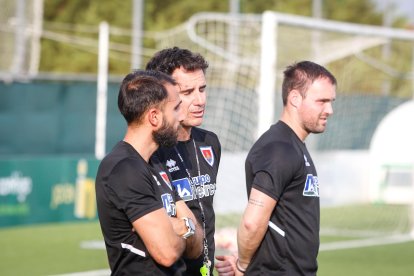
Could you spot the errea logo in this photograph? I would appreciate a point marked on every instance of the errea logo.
(171, 164)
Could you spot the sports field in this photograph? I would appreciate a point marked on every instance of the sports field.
(77, 247)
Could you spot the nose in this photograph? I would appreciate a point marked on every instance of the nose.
(199, 98)
(329, 108)
(181, 114)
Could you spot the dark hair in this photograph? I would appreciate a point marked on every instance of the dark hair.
(169, 59)
(141, 90)
(301, 75)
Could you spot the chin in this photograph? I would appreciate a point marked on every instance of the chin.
(194, 123)
(319, 130)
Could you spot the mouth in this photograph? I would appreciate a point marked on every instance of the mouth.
(198, 114)
(324, 120)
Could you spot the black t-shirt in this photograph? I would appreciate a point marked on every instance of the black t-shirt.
(208, 150)
(280, 166)
(127, 188)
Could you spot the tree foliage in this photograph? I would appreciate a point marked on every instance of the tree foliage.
(83, 16)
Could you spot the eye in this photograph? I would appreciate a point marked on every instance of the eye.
(186, 92)
(177, 107)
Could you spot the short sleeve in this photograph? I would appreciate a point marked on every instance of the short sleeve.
(273, 168)
(131, 190)
(263, 182)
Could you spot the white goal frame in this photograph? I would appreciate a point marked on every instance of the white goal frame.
(268, 57)
(267, 89)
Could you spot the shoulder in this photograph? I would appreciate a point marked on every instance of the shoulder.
(279, 138)
(203, 135)
(200, 132)
(162, 154)
(129, 173)
(130, 165)
(271, 150)
(122, 157)
(274, 148)
(208, 138)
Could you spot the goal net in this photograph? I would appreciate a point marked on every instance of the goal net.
(247, 54)
(20, 32)
(373, 66)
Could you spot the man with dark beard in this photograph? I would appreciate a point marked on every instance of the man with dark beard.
(147, 228)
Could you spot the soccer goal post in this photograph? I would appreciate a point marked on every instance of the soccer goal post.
(373, 66)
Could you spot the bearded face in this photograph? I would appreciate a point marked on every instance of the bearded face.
(166, 135)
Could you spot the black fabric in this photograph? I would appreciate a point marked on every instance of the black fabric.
(291, 179)
(205, 183)
(127, 188)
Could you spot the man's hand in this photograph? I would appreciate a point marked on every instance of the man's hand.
(178, 226)
(226, 265)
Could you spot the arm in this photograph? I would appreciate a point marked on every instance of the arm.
(157, 232)
(253, 226)
(194, 244)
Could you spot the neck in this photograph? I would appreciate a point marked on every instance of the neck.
(294, 125)
(141, 141)
(184, 133)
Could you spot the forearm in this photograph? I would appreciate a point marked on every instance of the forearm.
(253, 226)
(193, 244)
(249, 238)
(156, 231)
(177, 245)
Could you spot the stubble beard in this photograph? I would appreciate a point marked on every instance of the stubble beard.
(166, 136)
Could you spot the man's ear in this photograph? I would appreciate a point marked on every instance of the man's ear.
(154, 117)
(295, 98)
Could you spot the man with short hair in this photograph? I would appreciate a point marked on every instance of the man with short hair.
(193, 163)
(147, 228)
(279, 231)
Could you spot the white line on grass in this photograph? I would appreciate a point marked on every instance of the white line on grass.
(94, 244)
(323, 247)
(365, 242)
(101, 272)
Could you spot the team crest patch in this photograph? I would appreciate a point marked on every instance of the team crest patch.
(164, 177)
(208, 155)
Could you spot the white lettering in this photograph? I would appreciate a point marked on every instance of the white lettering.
(173, 169)
(16, 184)
(205, 190)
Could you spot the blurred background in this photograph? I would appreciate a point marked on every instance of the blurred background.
(61, 63)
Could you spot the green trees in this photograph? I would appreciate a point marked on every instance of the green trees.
(78, 21)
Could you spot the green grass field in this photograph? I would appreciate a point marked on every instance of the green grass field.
(56, 249)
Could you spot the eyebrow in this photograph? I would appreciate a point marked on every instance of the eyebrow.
(326, 99)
